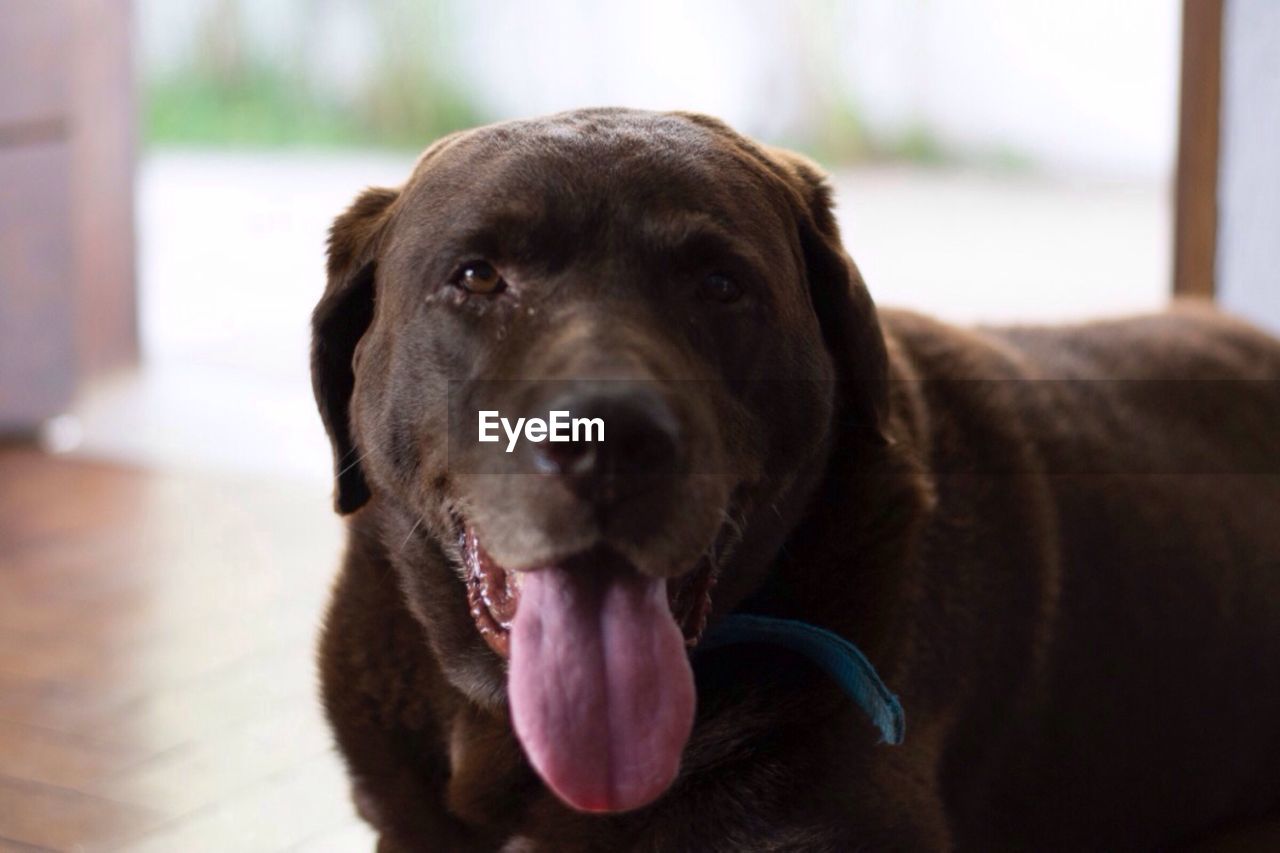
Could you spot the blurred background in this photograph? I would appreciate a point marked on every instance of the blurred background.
(168, 169)
(995, 160)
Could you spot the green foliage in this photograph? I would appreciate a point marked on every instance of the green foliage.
(267, 106)
(842, 137)
(226, 96)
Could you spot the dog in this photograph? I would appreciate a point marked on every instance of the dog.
(1058, 547)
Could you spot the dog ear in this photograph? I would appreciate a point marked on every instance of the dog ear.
(339, 321)
(846, 314)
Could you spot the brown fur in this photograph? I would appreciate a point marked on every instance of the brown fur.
(1063, 556)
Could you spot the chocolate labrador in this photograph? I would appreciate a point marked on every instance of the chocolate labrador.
(1053, 552)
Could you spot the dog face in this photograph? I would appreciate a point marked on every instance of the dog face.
(657, 274)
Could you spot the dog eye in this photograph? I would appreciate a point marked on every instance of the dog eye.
(720, 288)
(479, 277)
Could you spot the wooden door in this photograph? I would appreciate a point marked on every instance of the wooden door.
(67, 290)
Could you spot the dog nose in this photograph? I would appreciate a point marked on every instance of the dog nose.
(638, 441)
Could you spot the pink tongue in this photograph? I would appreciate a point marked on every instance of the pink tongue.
(601, 692)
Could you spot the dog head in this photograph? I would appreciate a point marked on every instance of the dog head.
(654, 275)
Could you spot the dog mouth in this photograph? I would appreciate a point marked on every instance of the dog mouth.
(599, 681)
(493, 592)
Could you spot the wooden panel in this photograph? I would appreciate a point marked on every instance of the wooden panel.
(35, 76)
(1196, 190)
(68, 306)
(37, 357)
(102, 140)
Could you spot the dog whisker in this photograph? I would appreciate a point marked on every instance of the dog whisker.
(358, 460)
(412, 530)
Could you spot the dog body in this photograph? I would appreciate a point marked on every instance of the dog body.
(1059, 547)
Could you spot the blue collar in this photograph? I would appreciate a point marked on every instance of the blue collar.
(840, 658)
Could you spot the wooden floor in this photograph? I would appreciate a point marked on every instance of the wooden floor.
(157, 689)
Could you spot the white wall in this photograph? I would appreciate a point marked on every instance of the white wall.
(1248, 263)
(1088, 86)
